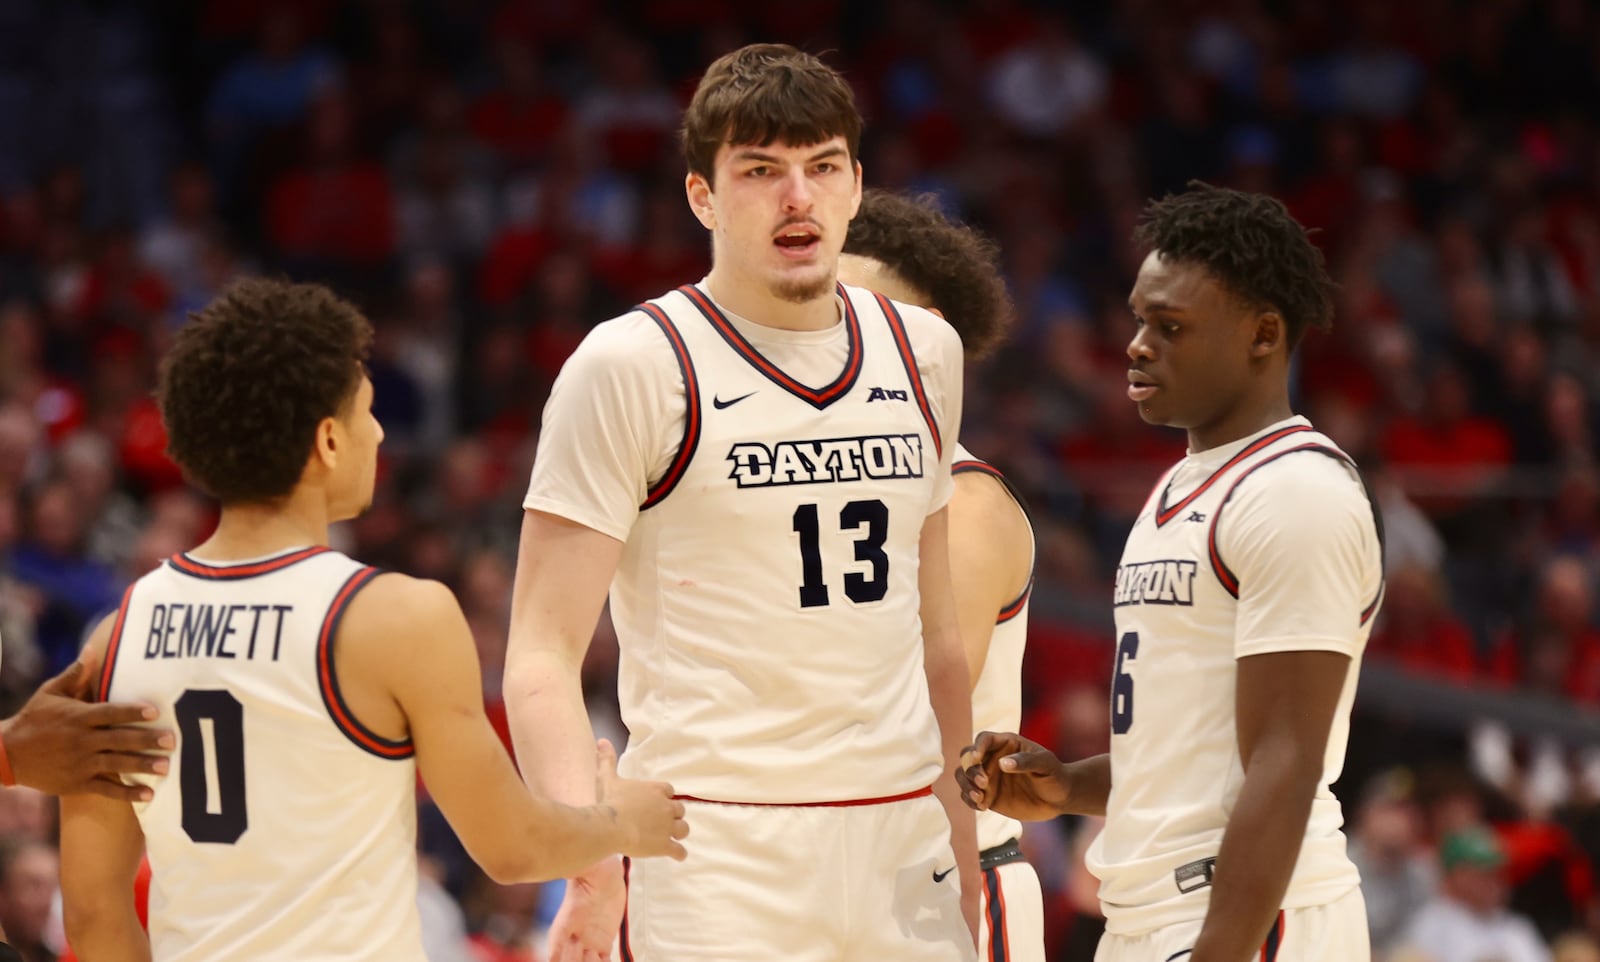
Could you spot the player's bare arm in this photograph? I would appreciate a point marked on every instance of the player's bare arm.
(1006, 773)
(991, 557)
(950, 688)
(60, 744)
(1285, 703)
(411, 637)
(563, 573)
(101, 844)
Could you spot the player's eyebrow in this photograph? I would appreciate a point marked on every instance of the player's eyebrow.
(756, 155)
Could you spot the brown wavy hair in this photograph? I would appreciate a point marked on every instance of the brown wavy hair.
(954, 264)
(250, 377)
(762, 93)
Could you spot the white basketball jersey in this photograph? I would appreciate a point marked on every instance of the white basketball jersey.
(285, 829)
(997, 695)
(766, 601)
(1266, 544)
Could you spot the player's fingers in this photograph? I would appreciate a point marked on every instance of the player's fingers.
(69, 683)
(1032, 761)
(128, 739)
(606, 757)
(116, 763)
(677, 852)
(107, 715)
(111, 788)
(680, 828)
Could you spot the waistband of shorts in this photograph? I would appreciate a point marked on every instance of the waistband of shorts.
(843, 803)
(1003, 854)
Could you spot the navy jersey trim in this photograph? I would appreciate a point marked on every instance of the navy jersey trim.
(818, 398)
(184, 564)
(999, 948)
(902, 342)
(344, 719)
(623, 941)
(693, 415)
(108, 665)
(1269, 948)
(1230, 581)
(1165, 514)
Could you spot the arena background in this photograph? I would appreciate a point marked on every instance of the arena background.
(489, 179)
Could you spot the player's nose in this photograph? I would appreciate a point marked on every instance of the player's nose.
(797, 193)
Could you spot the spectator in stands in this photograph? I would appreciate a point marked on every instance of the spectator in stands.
(1468, 921)
(30, 873)
(1397, 872)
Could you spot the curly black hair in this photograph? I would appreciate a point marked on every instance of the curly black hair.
(955, 265)
(250, 377)
(1250, 243)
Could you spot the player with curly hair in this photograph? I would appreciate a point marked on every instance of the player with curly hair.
(1243, 600)
(308, 691)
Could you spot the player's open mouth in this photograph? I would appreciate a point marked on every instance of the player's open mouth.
(1140, 387)
(798, 242)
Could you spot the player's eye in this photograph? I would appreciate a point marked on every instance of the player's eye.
(758, 171)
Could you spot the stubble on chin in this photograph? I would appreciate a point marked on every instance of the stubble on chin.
(803, 290)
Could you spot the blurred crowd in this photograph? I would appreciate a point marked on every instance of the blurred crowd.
(489, 178)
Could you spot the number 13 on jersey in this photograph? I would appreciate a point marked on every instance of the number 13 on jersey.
(870, 519)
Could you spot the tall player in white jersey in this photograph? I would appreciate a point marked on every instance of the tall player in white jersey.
(308, 690)
(1243, 602)
(756, 467)
(907, 250)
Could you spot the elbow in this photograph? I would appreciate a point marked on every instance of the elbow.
(510, 868)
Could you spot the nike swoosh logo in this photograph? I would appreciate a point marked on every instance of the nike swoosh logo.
(940, 876)
(719, 403)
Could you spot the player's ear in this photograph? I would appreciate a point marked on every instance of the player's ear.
(325, 449)
(698, 190)
(1271, 333)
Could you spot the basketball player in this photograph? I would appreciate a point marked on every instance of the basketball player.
(756, 467)
(907, 250)
(1243, 602)
(308, 690)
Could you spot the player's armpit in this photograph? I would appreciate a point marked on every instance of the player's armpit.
(991, 560)
(101, 845)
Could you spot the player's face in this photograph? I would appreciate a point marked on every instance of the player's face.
(1189, 362)
(778, 214)
(357, 436)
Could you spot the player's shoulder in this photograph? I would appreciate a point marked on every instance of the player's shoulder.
(394, 605)
(1311, 482)
(631, 339)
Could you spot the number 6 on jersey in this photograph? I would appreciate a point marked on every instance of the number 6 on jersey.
(1122, 685)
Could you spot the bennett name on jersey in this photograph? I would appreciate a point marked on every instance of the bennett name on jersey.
(196, 630)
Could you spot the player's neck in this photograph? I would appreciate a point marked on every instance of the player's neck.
(255, 530)
(1244, 422)
(756, 304)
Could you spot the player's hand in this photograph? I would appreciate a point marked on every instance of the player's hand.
(651, 818)
(62, 745)
(586, 926)
(1009, 774)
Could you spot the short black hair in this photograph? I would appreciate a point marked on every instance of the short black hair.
(1251, 244)
(249, 378)
(954, 264)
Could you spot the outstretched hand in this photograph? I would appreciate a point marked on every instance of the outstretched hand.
(1009, 774)
(60, 744)
(653, 819)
